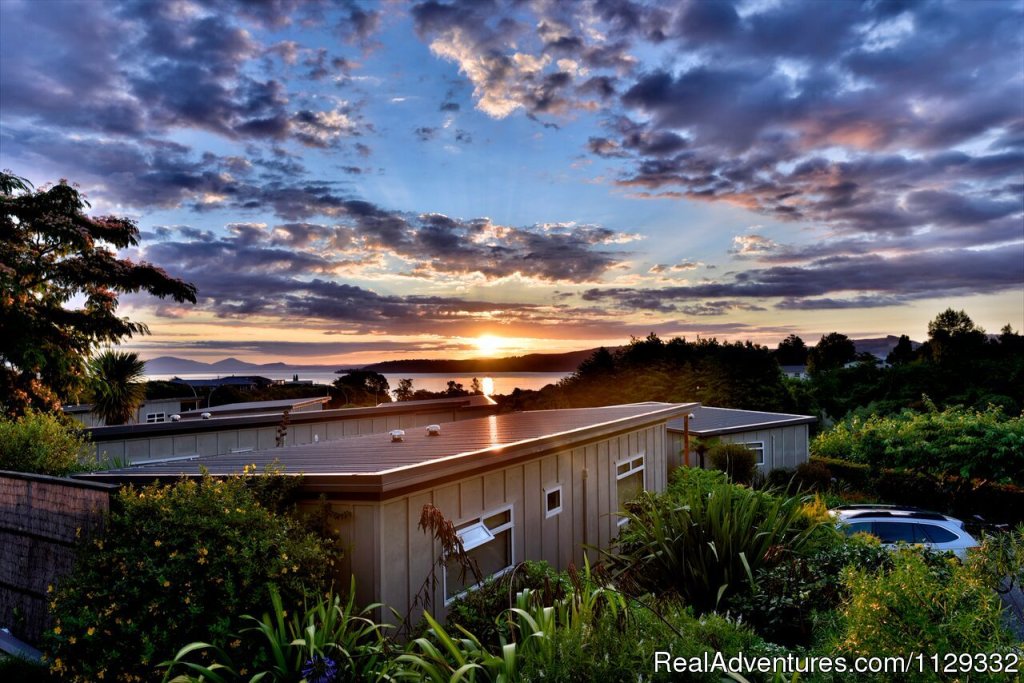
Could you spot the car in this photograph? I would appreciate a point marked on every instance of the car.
(893, 524)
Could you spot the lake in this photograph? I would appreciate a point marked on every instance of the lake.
(504, 382)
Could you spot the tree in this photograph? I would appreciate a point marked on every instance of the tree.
(455, 389)
(361, 387)
(902, 353)
(792, 351)
(52, 254)
(117, 384)
(832, 352)
(953, 337)
(404, 392)
(475, 387)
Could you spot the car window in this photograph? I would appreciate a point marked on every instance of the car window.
(937, 534)
(857, 528)
(894, 532)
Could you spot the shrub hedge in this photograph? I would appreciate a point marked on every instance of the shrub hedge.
(176, 563)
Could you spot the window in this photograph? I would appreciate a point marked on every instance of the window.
(552, 500)
(488, 541)
(758, 448)
(629, 475)
(894, 532)
(936, 534)
(857, 528)
(155, 417)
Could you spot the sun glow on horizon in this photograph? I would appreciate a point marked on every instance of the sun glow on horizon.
(489, 345)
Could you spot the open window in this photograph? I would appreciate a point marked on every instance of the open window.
(488, 541)
(552, 500)
(629, 481)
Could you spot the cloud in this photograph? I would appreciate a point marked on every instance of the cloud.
(872, 280)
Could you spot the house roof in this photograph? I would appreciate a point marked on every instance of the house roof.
(270, 419)
(470, 401)
(375, 465)
(708, 421)
(278, 405)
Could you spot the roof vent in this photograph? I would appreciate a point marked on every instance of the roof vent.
(175, 417)
(433, 430)
(206, 416)
(397, 434)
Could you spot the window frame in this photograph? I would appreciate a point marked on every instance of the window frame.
(758, 448)
(156, 418)
(550, 512)
(632, 468)
(472, 522)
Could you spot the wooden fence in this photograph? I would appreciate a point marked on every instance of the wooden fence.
(41, 520)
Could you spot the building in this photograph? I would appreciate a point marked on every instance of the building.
(280, 406)
(242, 431)
(539, 485)
(244, 382)
(795, 371)
(780, 440)
(150, 411)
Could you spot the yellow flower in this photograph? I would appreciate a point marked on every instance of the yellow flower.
(56, 630)
(101, 673)
(49, 589)
(295, 567)
(91, 630)
(158, 543)
(166, 583)
(72, 640)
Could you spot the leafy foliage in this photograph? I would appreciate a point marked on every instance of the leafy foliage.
(117, 384)
(43, 443)
(360, 388)
(968, 443)
(50, 254)
(736, 460)
(703, 539)
(920, 606)
(479, 611)
(328, 641)
(788, 597)
(176, 563)
(736, 375)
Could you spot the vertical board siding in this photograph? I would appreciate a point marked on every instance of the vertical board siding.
(406, 554)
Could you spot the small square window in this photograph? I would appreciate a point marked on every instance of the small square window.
(552, 501)
(155, 417)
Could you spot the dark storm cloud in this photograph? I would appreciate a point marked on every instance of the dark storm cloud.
(873, 280)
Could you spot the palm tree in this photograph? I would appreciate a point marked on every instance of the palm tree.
(116, 378)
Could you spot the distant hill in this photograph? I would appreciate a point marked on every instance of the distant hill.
(533, 362)
(880, 346)
(170, 365)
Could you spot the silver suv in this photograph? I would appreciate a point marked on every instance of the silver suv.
(892, 525)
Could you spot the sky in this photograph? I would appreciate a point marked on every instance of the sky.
(351, 181)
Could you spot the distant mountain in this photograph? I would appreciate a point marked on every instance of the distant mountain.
(534, 362)
(879, 346)
(169, 365)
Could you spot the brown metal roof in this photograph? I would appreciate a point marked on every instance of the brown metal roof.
(374, 464)
(138, 431)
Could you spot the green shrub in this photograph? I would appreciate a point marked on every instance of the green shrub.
(813, 476)
(956, 441)
(480, 611)
(736, 460)
(789, 597)
(703, 541)
(330, 640)
(176, 564)
(856, 475)
(43, 443)
(920, 606)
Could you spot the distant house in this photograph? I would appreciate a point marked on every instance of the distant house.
(780, 440)
(149, 412)
(539, 485)
(290, 405)
(795, 371)
(245, 382)
(234, 428)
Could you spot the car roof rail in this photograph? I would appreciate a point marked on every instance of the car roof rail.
(895, 514)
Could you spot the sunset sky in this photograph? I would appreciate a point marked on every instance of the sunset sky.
(349, 182)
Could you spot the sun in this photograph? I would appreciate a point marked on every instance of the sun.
(489, 345)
